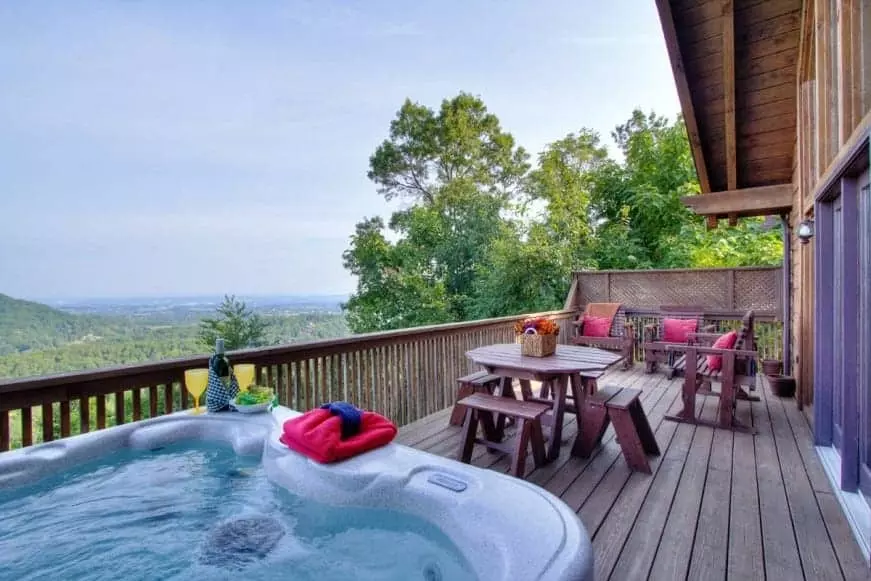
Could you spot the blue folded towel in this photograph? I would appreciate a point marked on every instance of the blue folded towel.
(350, 415)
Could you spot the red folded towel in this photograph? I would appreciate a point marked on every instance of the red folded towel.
(318, 435)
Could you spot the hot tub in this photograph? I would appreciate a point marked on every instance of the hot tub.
(166, 499)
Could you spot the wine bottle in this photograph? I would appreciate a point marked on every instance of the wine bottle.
(222, 365)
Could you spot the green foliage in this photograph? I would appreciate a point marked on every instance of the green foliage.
(485, 235)
(26, 326)
(638, 202)
(119, 340)
(238, 325)
(427, 149)
(460, 173)
(518, 275)
(397, 287)
(748, 244)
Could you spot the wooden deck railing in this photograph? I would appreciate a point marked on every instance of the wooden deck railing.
(404, 374)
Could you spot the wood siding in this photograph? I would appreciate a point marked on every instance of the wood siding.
(739, 59)
(832, 112)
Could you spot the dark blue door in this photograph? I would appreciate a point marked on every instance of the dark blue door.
(838, 331)
(864, 383)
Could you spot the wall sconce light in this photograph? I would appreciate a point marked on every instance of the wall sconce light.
(805, 230)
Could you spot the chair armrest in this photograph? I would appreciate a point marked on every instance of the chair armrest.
(741, 354)
(703, 337)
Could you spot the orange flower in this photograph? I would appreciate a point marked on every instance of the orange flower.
(541, 326)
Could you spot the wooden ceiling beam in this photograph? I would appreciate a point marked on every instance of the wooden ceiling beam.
(759, 201)
(728, 22)
(666, 19)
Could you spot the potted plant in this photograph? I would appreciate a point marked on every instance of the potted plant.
(771, 366)
(782, 385)
(537, 337)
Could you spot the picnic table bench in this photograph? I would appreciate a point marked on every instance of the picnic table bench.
(619, 406)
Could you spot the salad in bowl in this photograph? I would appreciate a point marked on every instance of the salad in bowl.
(257, 398)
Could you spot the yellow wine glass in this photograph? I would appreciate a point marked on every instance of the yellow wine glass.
(244, 373)
(196, 380)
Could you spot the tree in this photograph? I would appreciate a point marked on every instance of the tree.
(522, 276)
(460, 174)
(750, 243)
(638, 202)
(483, 236)
(395, 287)
(426, 150)
(238, 325)
(528, 267)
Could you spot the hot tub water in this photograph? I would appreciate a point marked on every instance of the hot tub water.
(199, 511)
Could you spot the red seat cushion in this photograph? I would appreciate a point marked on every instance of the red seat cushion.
(596, 326)
(318, 435)
(678, 330)
(727, 341)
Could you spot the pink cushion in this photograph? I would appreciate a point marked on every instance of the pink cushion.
(727, 341)
(596, 326)
(678, 330)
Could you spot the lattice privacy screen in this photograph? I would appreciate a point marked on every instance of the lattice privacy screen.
(738, 289)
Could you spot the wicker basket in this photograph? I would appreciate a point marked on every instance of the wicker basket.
(537, 345)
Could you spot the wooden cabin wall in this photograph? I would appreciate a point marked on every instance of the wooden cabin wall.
(834, 100)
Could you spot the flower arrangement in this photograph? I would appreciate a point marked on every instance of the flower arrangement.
(536, 326)
(537, 337)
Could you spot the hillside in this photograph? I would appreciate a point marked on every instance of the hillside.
(36, 339)
(29, 326)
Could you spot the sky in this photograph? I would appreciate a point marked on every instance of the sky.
(187, 147)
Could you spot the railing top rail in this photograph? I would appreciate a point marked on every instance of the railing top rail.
(669, 270)
(262, 354)
(674, 310)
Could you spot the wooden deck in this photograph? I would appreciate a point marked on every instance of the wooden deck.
(719, 505)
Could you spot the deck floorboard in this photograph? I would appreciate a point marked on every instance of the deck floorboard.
(718, 505)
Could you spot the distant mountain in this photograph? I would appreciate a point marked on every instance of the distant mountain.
(26, 325)
(187, 308)
(36, 339)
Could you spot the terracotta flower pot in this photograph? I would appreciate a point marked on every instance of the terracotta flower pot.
(771, 366)
(782, 385)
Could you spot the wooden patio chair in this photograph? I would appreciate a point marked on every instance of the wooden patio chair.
(621, 336)
(654, 342)
(737, 372)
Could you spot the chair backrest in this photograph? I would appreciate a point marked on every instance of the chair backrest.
(746, 342)
(614, 310)
(746, 335)
(683, 312)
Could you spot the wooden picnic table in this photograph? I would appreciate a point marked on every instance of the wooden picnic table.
(563, 370)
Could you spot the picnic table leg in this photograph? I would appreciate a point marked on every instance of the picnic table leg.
(526, 388)
(506, 389)
(589, 385)
(491, 431)
(560, 386)
(470, 431)
(580, 391)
